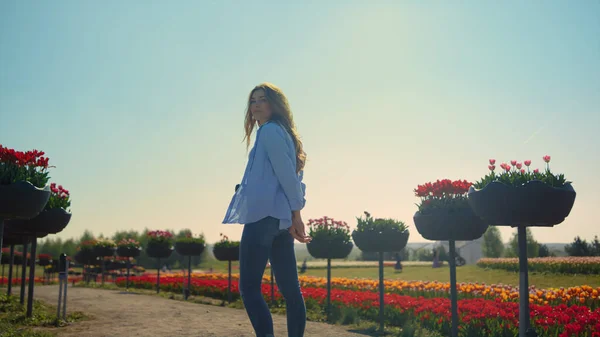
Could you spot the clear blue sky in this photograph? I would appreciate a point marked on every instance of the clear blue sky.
(140, 104)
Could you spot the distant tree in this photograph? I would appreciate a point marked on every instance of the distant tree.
(492, 243)
(579, 247)
(532, 245)
(596, 246)
(544, 251)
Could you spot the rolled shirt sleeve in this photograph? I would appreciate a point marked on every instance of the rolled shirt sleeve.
(283, 160)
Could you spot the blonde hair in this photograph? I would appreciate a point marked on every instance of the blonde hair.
(282, 114)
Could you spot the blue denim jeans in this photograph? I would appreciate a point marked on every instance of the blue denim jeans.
(262, 241)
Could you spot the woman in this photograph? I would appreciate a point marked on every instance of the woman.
(268, 202)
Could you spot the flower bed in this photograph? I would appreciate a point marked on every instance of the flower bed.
(582, 295)
(478, 316)
(562, 265)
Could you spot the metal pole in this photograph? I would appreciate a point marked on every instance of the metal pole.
(23, 274)
(453, 295)
(189, 285)
(523, 284)
(31, 276)
(60, 291)
(11, 262)
(1, 237)
(381, 293)
(272, 287)
(66, 280)
(158, 278)
(127, 277)
(229, 284)
(328, 288)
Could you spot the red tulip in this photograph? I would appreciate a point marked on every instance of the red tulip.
(546, 158)
(536, 171)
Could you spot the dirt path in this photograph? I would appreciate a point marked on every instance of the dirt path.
(118, 314)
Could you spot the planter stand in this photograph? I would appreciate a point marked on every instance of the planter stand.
(453, 292)
(381, 295)
(23, 274)
(229, 283)
(158, 276)
(31, 276)
(188, 290)
(525, 329)
(11, 262)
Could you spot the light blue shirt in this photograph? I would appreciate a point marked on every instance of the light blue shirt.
(270, 186)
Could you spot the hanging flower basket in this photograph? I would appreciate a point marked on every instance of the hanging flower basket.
(160, 244)
(128, 248)
(128, 251)
(227, 253)
(104, 247)
(23, 183)
(380, 235)
(189, 248)
(521, 197)
(329, 249)
(454, 224)
(444, 213)
(44, 260)
(158, 250)
(226, 250)
(50, 221)
(22, 200)
(330, 238)
(85, 256)
(372, 241)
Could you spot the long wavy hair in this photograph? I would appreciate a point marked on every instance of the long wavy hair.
(282, 114)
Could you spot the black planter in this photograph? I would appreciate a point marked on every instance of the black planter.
(128, 252)
(450, 224)
(532, 204)
(227, 253)
(158, 251)
(85, 257)
(15, 239)
(329, 249)
(387, 241)
(22, 200)
(100, 251)
(50, 221)
(189, 248)
(44, 262)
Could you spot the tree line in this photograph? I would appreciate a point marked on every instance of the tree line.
(493, 246)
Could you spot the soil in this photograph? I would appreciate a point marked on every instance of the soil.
(121, 314)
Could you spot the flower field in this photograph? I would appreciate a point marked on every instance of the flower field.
(484, 310)
(561, 265)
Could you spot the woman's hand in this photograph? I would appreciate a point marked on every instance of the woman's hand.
(298, 230)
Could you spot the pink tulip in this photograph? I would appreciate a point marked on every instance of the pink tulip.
(536, 171)
(527, 163)
(546, 158)
(519, 165)
(523, 171)
(492, 167)
(513, 162)
(492, 161)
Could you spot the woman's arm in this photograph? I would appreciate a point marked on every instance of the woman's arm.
(284, 165)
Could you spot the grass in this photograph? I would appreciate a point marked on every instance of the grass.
(469, 273)
(14, 323)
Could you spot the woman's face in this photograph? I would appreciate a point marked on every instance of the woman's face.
(260, 107)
